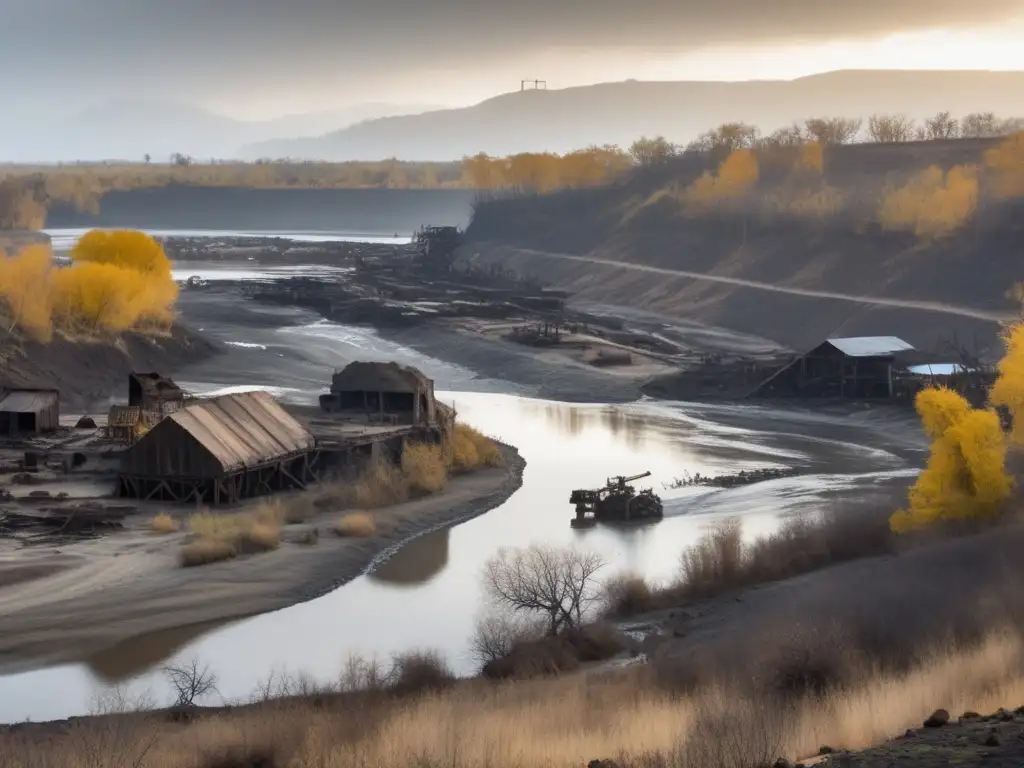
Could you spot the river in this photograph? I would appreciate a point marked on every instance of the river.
(427, 595)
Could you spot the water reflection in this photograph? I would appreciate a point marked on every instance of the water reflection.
(417, 562)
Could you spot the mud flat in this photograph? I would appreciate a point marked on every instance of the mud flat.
(64, 603)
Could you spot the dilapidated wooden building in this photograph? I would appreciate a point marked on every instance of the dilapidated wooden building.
(220, 450)
(25, 411)
(385, 393)
(855, 367)
(154, 393)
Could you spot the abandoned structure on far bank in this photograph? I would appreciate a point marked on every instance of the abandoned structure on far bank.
(382, 393)
(28, 411)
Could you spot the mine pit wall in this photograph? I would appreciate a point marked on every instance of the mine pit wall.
(797, 322)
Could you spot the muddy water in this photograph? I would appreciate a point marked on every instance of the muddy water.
(428, 594)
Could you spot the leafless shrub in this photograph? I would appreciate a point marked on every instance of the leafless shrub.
(496, 635)
(890, 129)
(557, 584)
(190, 681)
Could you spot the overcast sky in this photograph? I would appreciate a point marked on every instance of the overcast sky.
(263, 58)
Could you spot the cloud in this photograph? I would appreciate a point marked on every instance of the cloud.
(188, 47)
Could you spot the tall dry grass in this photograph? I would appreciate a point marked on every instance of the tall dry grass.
(553, 723)
(223, 536)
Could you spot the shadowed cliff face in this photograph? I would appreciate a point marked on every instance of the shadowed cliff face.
(356, 211)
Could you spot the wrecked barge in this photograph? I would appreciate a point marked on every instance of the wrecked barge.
(616, 502)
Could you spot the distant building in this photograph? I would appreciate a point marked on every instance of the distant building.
(155, 393)
(29, 411)
(219, 450)
(382, 393)
(855, 367)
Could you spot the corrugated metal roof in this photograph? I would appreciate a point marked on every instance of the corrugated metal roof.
(27, 401)
(870, 346)
(243, 429)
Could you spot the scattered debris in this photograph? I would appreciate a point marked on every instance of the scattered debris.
(743, 477)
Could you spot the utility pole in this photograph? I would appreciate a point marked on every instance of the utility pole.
(537, 85)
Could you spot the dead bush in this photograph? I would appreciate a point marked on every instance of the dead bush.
(468, 449)
(424, 468)
(627, 595)
(355, 524)
(203, 551)
(419, 672)
(164, 523)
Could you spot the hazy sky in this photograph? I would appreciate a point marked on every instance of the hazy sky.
(262, 58)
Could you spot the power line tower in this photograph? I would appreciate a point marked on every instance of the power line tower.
(533, 85)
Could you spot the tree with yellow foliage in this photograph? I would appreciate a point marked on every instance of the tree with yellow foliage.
(1004, 166)
(1008, 391)
(965, 477)
(736, 176)
(25, 289)
(123, 248)
(932, 203)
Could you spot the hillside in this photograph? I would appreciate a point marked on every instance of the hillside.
(792, 259)
(130, 130)
(618, 113)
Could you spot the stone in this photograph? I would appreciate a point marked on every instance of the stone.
(783, 763)
(993, 740)
(602, 764)
(969, 715)
(939, 718)
(825, 750)
(86, 422)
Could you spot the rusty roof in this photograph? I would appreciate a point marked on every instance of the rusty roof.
(244, 429)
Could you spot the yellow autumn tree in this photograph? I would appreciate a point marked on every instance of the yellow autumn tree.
(123, 248)
(26, 291)
(811, 158)
(1004, 166)
(735, 177)
(1008, 391)
(965, 477)
(932, 203)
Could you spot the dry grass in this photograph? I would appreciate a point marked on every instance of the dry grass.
(721, 561)
(555, 723)
(164, 523)
(355, 524)
(424, 469)
(467, 449)
(223, 536)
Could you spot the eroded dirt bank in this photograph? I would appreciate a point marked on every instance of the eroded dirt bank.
(107, 590)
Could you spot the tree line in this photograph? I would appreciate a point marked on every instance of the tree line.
(27, 192)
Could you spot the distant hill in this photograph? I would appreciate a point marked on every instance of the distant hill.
(129, 130)
(618, 113)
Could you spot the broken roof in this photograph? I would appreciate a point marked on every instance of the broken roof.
(27, 400)
(243, 429)
(870, 346)
(379, 377)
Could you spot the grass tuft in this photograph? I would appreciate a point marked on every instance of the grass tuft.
(355, 524)
(164, 523)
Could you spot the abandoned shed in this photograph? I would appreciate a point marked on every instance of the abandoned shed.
(858, 367)
(29, 411)
(383, 393)
(153, 392)
(127, 423)
(220, 450)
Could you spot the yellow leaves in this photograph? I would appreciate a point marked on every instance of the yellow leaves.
(736, 175)
(1008, 390)
(966, 472)
(545, 171)
(932, 203)
(119, 281)
(1004, 164)
(812, 158)
(123, 248)
(25, 281)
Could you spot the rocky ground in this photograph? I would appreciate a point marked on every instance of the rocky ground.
(970, 741)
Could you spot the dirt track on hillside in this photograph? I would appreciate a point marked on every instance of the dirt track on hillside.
(927, 306)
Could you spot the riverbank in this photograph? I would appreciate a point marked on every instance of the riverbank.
(107, 590)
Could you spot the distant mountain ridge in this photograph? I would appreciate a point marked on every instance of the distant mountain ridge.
(618, 113)
(132, 129)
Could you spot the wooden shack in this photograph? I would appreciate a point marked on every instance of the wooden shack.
(385, 393)
(854, 367)
(127, 423)
(29, 411)
(220, 450)
(154, 392)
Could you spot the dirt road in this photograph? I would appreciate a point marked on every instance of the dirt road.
(927, 306)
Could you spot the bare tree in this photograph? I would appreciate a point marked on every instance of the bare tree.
(980, 125)
(1011, 125)
(496, 635)
(190, 682)
(558, 584)
(727, 138)
(942, 126)
(890, 129)
(657, 151)
(789, 136)
(833, 130)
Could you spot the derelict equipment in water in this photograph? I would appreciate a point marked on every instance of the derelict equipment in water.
(617, 501)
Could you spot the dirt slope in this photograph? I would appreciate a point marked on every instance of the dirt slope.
(794, 280)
